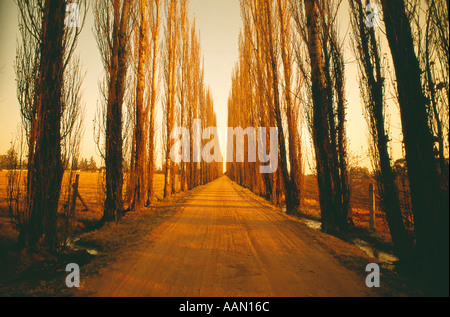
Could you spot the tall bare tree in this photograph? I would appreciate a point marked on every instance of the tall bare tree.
(321, 65)
(430, 202)
(49, 107)
(153, 93)
(172, 36)
(184, 79)
(193, 101)
(372, 82)
(141, 111)
(295, 180)
(321, 105)
(113, 36)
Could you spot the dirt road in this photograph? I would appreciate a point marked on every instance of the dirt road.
(225, 242)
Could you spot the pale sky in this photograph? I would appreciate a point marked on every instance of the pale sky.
(219, 23)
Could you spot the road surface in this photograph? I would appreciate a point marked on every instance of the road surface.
(222, 243)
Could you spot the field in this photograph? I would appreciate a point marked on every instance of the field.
(90, 190)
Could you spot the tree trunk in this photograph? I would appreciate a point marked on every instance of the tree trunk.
(170, 74)
(46, 166)
(152, 97)
(344, 222)
(141, 113)
(114, 140)
(321, 132)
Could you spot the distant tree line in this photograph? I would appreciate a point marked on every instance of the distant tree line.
(85, 165)
(10, 160)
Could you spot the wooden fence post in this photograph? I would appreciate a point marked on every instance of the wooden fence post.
(82, 201)
(74, 196)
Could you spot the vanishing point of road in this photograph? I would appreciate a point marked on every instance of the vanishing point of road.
(224, 242)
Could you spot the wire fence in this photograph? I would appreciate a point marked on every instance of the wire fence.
(361, 202)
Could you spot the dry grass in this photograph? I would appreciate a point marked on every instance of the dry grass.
(90, 189)
(3, 193)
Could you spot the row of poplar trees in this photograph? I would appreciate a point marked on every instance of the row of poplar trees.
(291, 69)
(142, 43)
(268, 84)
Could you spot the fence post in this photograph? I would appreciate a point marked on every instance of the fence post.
(74, 196)
(372, 207)
(82, 201)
